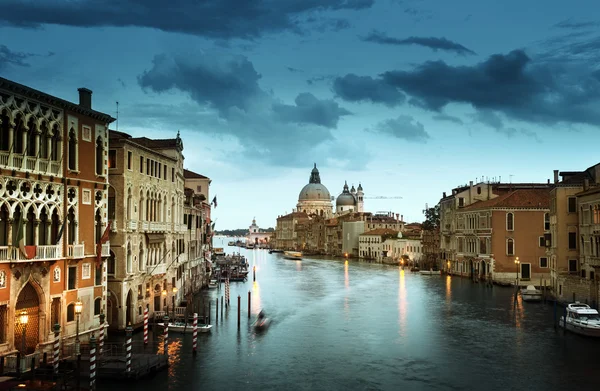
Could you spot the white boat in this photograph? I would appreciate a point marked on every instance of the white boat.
(188, 328)
(430, 272)
(262, 322)
(531, 294)
(295, 255)
(213, 284)
(581, 319)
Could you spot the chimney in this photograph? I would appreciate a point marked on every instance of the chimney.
(444, 194)
(401, 217)
(548, 180)
(555, 176)
(85, 98)
(586, 184)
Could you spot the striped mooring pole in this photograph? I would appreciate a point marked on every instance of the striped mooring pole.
(101, 335)
(227, 291)
(145, 326)
(128, 331)
(92, 363)
(195, 334)
(166, 335)
(56, 356)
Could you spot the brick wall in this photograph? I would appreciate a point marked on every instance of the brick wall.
(575, 288)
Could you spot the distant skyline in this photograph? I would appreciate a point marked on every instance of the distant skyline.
(408, 97)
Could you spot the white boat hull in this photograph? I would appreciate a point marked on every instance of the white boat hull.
(430, 272)
(580, 329)
(293, 255)
(528, 296)
(187, 329)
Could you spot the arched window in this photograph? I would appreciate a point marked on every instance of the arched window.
(71, 225)
(54, 227)
(31, 133)
(30, 227)
(97, 306)
(72, 150)
(129, 205)
(18, 135)
(111, 203)
(4, 131)
(44, 140)
(112, 264)
(510, 246)
(99, 156)
(129, 266)
(3, 225)
(510, 222)
(54, 143)
(43, 238)
(71, 312)
(141, 259)
(98, 224)
(546, 221)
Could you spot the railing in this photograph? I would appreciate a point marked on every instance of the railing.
(11, 253)
(594, 261)
(42, 166)
(105, 249)
(75, 250)
(157, 226)
(132, 225)
(145, 226)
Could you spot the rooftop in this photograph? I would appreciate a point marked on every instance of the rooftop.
(380, 232)
(520, 198)
(193, 175)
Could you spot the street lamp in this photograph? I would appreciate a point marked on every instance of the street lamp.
(517, 262)
(173, 300)
(164, 294)
(78, 308)
(448, 267)
(24, 318)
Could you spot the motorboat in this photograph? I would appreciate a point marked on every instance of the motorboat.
(213, 283)
(294, 255)
(274, 250)
(430, 272)
(531, 293)
(262, 322)
(581, 319)
(188, 328)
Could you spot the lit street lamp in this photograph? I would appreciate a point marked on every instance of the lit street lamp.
(24, 318)
(173, 300)
(164, 294)
(78, 308)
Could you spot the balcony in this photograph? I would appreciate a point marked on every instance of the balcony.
(75, 250)
(132, 225)
(155, 270)
(145, 225)
(30, 163)
(105, 252)
(155, 226)
(43, 253)
(593, 261)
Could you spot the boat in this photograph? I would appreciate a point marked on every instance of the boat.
(274, 250)
(531, 294)
(294, 255)
(213, 284)
(430, 272)
(218, 251)
(188, 328)
(581, 319)
(250, 246)
(262, 322)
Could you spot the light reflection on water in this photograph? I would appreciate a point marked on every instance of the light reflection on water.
(330, 334)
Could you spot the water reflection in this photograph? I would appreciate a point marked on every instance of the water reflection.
(402, 303)
(346, 276)
(448, 289)
(299, 266)
(256, 305)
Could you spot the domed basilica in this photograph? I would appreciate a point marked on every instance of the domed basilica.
(314, 198)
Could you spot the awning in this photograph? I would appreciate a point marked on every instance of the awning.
(155, 238)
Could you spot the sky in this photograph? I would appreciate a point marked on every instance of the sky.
(410, 98)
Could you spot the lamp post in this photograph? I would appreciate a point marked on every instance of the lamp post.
(517, 262)
(173, 299)
(164, 294)
(78, 308)
(24, 318)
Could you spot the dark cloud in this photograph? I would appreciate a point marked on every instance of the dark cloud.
(355, 88)
(512, 84)
(449, 118)
(211, 18)
(430, 42)
(570, 24)
(9, 57)
(310, 110)
(121, 82)
(219, 80)
(317, 79)
(404, 127)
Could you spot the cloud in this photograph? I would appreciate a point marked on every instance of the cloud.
(316, 79)
(209, 18)
(310, 110)
(512, 84)
(11, 58)
(404, 127)
(355, 88)
(227, 99)
(570, 24)
(294, 70)
(429, 42)
(450, 118)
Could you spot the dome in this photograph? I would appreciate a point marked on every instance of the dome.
(345, 199)
(314, 192)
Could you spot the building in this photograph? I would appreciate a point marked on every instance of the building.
(404, 250)
(154, 237)
(371, 244)
(53, 196)
(257, 236)
(350, 200)
(200, 184)
(314, 198)
(431, 249)
(286, 236)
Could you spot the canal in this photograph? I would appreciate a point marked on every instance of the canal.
(366, 326)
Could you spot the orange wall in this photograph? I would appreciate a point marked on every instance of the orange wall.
(528, 227)
(85, 283)
(57, 287)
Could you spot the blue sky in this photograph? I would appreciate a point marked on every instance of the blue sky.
(409, 98)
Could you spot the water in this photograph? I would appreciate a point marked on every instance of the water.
(365, 326)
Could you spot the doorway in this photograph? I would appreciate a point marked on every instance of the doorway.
(525, 271)
(27, 335)
(128, 309)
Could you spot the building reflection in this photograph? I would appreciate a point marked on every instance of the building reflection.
(448, 289)
(402, 303)
(346, 276)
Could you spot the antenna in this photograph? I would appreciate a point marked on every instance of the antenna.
(117, 116)
(510, 178)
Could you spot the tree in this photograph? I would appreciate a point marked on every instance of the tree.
(432, 218)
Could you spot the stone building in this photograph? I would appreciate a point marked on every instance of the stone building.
(53, 196)
(257, 236)
(286, 236)
(431, 249)
(150, 242)
(200, 184)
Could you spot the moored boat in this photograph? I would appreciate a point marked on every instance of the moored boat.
(531, 294)
(294, 255)
(182, 327)
(430, 272)
(581, 319)
(213, 284)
